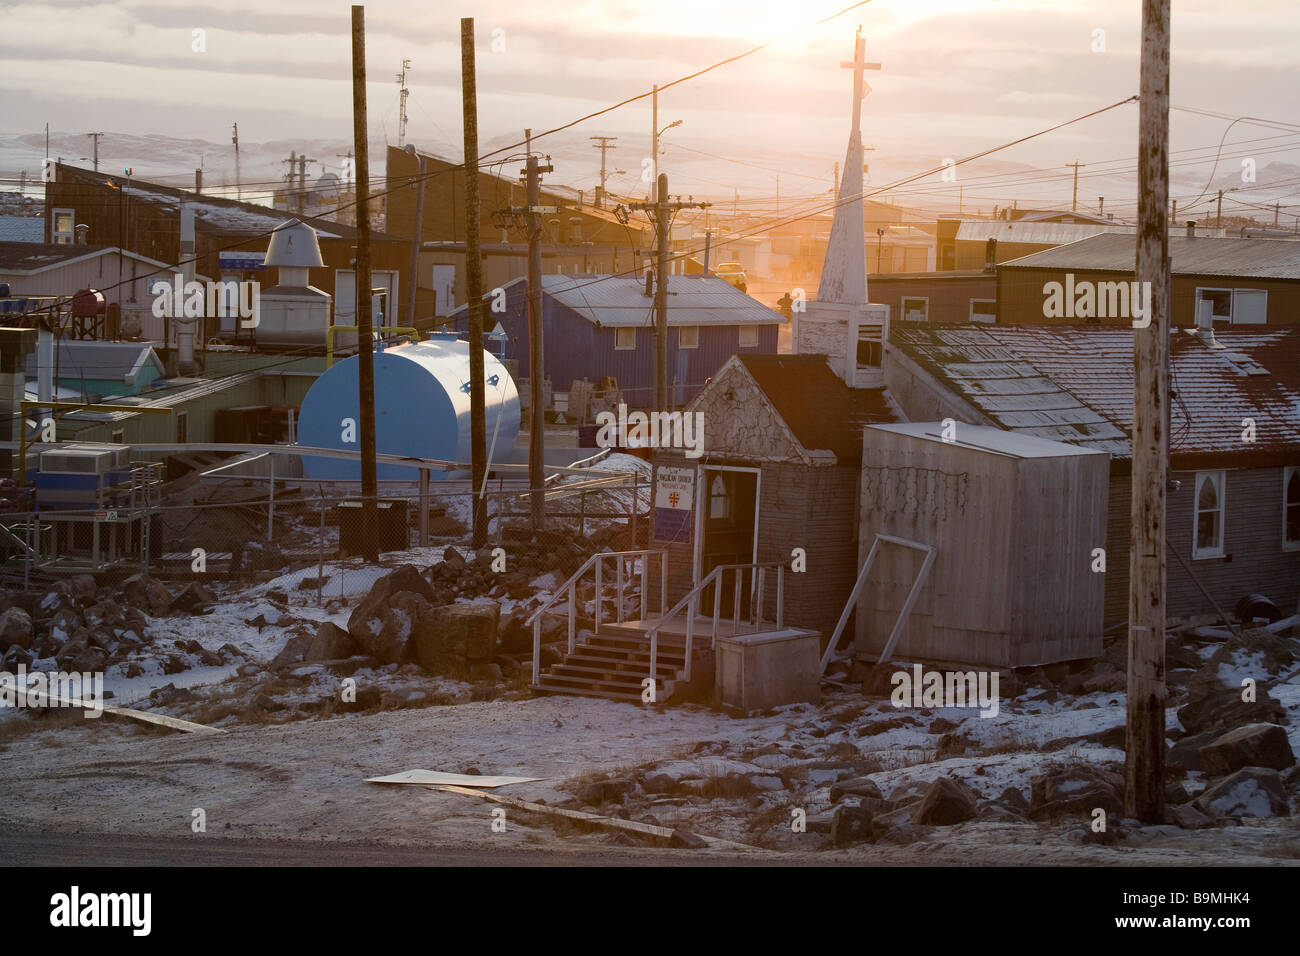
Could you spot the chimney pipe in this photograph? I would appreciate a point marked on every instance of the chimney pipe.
(185, 327)
(82, 232)
(1191, 228)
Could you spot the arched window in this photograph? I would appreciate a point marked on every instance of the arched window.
(720, 500)
(1208, 527)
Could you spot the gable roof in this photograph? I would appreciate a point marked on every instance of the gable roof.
(618, 300)
(1189, 255)
(1050, 381)
(821, 411)
(1033, 231)
(32, 258)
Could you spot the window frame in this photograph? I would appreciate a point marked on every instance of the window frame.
(992, 318)
(1196, 304)
(902, 307)
(58, 236)
(694, 343)
(740, 337)
(619, 332)
(1220, 477)
(1288, 473)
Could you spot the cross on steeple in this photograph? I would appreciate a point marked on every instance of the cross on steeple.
(859, 66)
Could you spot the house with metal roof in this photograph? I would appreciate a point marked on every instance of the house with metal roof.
(1234, 516)
(603, 326)
(1224, 281)
(21, 229)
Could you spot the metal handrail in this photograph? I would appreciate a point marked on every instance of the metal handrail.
(569, 589)
(756, 607)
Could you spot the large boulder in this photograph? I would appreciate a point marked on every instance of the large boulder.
(1075, 790)
(147, 593)
(850, 824)
(193, 597)
(456, 637)
(1254, 745)
(1250, 792)
(1224, 710)
(16, 628)
(1185, 753)
(331, 643)
(84, 589)
(58, 597)
(105, 614)
(945, 803)
(384, 629)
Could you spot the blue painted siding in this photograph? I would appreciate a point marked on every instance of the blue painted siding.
(577, 349)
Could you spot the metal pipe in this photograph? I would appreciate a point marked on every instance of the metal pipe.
(618, 572)
(596, 612)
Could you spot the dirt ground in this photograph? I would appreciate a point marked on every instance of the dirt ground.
(306, 780)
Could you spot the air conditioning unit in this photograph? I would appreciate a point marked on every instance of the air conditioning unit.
(85, 459)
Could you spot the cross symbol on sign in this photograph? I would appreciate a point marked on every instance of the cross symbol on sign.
(673, 498)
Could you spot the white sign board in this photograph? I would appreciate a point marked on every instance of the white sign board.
(675, 489)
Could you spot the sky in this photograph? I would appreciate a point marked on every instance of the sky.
(958, 76)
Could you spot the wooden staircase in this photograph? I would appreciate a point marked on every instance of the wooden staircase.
(614, 663)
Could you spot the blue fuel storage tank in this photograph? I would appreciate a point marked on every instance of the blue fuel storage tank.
(421, 409)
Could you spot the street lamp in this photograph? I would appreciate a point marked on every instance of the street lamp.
(655, 164)
(880, 239)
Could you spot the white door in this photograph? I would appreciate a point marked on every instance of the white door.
(444, 285)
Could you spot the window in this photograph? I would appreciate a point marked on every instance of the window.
(720, 499)
(1207, 528)
(983, 310)
(688, 337)
(118, 437)
(1233, 306)
(65, 226)
(870, 343)
(1291, 509)
(916, 309)
(749, 336)
(625, 338)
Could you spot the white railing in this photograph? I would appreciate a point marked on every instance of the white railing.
(757, 594)
(569, 589)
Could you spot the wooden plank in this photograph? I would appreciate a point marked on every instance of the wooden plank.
(161, 720)
(631, 826)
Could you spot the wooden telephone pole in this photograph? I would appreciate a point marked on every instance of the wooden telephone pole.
(536, 352)
(1076, 165)
(1144, 794)
(365, 326)
(473, 282)
(662, 211)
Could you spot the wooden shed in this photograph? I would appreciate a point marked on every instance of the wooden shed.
(1012, 520)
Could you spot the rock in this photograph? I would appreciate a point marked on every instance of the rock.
(858, 786)
(1189, 818)
(193, 597)
(906, 794)
(331, 643)
(514, 636)
(1224, 710)
(1075, 790)
(56, 598)
(850, 824)
(1254, 745)
(384, 624)
(255, 555)
(147, 594)
(670, 776)
(16, 628)
(1250, 792)
(485, 672)
(942, 725)
(945, 803)
(687, 841)
(550, 655)
(88, 660)
(1013, 798)
(210, 658)
(293, 652)
(367, 697)
(107, 613)
(454, 559)
(456, 636)
(84, 589)
(1186, 751)
(766, 782)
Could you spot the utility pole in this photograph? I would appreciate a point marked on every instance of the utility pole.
(365, 327)
(239, 189)
(604, 147)
(292, 161)
(1173, 216)
(1277, 208)
(95, 137)
(302, 181)
(1144, 792)
(661, 212)
(1218, 211)
(401, 116)
(536, 352)
(1101, 200)
(474, 282)
(198, 180)
(1076, 165)
(417, 238)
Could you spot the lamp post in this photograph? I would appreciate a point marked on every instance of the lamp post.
(880, 240)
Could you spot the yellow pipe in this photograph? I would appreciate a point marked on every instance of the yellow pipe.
(383, 330)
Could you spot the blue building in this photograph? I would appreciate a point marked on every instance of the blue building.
(598, 326)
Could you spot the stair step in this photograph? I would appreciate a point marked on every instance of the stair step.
(634, 680)
(576, 670)
(621, 663)
(629, 653)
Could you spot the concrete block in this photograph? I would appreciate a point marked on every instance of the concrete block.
(758, 671)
